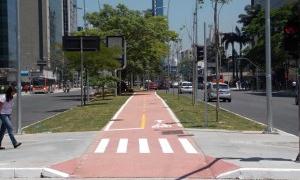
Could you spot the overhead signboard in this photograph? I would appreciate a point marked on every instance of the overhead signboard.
(73, 43)
(117, 42)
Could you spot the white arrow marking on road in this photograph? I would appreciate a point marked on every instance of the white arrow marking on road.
(159, 124)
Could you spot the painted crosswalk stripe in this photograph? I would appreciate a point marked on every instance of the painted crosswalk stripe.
(144, 147)
(122, 146)
(187, 146)
(165, 146)
(102, 146)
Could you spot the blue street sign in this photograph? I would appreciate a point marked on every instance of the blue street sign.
(24, 73)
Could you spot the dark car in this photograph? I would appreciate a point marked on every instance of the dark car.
(124, 87)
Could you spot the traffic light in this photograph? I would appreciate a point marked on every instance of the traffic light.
(291, 36)
(200, 52)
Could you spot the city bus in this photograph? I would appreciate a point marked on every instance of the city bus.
(42, 85)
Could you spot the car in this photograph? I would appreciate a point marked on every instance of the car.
(175, 84)
(185, 87)
(224, 92)
(153, 86)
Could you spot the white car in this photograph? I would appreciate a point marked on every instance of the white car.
(224, 92)
(185, 87)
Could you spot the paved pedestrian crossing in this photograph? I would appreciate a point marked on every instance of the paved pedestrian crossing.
(142, 144)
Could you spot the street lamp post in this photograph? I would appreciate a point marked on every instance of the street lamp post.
(19, 116)
(268, 68)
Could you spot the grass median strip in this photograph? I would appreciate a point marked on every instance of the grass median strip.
(193, 116)
(91, 117)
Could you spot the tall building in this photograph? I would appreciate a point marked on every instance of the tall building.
(42, 25)
(273, 3)
(157, 7)
(8, 33)
(8, 38)
(69, 16)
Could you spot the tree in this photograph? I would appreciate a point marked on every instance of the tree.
(231, 38)
(146, 36)
(216, 44)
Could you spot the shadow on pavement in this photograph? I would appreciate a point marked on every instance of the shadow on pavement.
(274, 94)
(256, 159)
(58, 110)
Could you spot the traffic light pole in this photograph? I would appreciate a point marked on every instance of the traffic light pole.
(18, 75)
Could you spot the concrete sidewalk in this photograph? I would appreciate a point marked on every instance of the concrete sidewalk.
(260, 156)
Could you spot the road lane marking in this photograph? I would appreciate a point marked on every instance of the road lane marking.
(187, 146)
(165, 146)
(122, 147)
(143, 146)
(102, 146)
(107, 127)
(143, 121)
(174, 118)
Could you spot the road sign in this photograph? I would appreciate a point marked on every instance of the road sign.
(117, 42)
(89, 43)
(24, 73)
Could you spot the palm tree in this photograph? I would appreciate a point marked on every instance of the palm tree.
(231, 38)
(241, 39)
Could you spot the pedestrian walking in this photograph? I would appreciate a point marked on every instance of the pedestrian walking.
(6, 105)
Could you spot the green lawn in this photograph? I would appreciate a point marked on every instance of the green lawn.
(193, 116)
(92, 117)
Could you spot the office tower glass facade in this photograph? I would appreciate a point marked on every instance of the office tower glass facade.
(8, 34)
(157, 7)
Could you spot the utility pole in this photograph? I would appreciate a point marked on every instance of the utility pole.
(217, 56)
(18, 75)
(268, 68)
(195, 64)
(205, 79)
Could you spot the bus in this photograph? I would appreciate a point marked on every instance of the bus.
(42, 85)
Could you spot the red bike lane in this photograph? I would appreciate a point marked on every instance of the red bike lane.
(143, 141)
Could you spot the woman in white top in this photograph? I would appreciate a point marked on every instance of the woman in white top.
(6, 106)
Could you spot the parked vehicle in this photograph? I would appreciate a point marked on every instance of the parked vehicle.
(153, 86)
(224, 92)
(185, 87)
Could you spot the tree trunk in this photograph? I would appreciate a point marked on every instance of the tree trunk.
(103, 92)
(240, 64)
(233, 62)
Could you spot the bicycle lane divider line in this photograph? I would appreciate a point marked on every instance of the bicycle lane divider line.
(107, 127)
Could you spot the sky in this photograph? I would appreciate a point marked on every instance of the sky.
(180, 14)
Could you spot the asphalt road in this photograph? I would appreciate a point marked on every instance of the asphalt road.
(253, 105)
(36, 107)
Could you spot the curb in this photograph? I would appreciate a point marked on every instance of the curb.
(31, 173)
(260, 173)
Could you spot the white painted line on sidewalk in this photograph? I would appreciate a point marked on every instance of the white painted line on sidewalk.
(56, 172)
(102, 146)
(175, 119)
(107, 127)
(165, 146)
(187, 146)
(243, 171)
(122, 147)
(143, 145)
